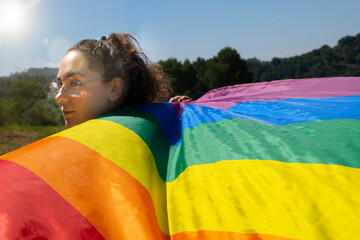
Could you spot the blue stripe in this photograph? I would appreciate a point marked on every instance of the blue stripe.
(169, 119)
(279, 112)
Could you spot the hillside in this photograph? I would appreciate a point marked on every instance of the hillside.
(340, 60)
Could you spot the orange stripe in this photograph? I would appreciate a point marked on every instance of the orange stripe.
(215, 235)
(117, 205)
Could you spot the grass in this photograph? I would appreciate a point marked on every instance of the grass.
(14, 137)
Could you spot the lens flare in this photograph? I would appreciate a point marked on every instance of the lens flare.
(12, 17)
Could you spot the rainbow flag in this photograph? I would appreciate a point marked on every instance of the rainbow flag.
(272, 160)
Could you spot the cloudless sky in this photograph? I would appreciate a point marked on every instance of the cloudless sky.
(181, 29)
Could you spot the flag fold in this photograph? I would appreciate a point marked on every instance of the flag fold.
(272, 160)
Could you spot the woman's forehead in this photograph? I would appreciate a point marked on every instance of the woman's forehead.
(75, 60)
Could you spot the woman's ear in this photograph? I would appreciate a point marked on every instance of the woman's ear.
(116, 89)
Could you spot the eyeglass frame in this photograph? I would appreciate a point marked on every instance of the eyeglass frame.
(78, 83)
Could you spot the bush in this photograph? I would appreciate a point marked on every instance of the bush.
(45, 112)
(28, 105)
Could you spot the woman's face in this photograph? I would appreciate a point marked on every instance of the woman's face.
(91, 100)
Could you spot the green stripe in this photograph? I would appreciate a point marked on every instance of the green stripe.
(146, 126)
(326, 141)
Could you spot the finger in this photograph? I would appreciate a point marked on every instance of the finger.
(175, 99)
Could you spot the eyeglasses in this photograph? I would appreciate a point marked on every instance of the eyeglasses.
(70, 85)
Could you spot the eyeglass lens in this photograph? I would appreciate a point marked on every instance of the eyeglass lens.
(72, 88)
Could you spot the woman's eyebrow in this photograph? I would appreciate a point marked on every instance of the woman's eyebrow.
(70, 74)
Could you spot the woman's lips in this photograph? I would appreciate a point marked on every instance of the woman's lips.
(67, 113)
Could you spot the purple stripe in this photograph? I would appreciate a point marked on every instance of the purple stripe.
(226, 97)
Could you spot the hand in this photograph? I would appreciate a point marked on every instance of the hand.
(181, 99)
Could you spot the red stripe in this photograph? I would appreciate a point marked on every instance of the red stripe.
(31, 209)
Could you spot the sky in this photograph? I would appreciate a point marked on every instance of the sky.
(37, 33)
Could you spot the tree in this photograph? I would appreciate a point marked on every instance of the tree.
(231, 68)
(188, 78)
(2, 111)
(45, 112)
(22, 96)
(195, 79)
(341, 60)
(172, 67)
(4, 86)
(202, 86)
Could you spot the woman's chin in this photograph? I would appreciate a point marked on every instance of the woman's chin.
(68, 124)
(71, 123)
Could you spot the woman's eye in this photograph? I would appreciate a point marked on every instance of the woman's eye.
(74, 83)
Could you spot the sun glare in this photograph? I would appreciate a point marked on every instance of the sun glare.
(12, 17)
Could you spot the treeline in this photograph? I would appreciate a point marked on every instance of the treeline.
(341, 60)
(25, 98)
(227, 68)
(198, 77)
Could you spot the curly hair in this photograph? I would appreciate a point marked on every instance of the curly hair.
(120, 55)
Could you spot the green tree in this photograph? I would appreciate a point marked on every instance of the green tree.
(2, 111)
(172, 67)
(232, 69)
(188, 74)
(341, 60)
(5, 83)
(45, 112)
(30, 90)
(195, 79)
(227, 68)
(22, 97)
(202, 86)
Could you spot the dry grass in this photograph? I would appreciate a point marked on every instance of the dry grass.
(14, 137)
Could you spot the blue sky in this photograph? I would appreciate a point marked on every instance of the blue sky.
(180, 29)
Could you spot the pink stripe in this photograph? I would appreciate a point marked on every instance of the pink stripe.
(226, 97)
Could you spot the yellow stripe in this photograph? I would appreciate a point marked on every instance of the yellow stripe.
(126, 149)
(291, 200)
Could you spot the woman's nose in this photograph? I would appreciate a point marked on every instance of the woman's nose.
(62, 96)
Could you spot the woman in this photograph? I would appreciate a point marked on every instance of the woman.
(98, 76)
